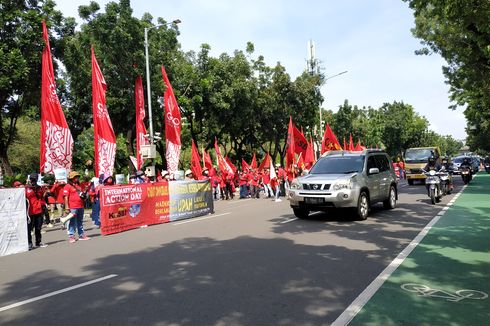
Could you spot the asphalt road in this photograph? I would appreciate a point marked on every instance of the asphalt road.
(251, 263)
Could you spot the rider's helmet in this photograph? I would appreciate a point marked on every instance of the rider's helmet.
(466, 160)
(444, 160)
(431, 161)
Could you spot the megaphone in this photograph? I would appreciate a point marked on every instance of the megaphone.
(67, 218)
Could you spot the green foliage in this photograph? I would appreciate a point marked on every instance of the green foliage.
(459, 31)
(24, 150)
(20, 62)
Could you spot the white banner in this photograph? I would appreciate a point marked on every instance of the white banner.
(13, 221)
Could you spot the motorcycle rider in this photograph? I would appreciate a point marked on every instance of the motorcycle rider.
(432, 164)
(449, 169)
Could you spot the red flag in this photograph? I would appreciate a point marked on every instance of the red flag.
(296, 143)
(359, 147)
(329, 141)
(265, 163)
(222, 164)
(172, 126)
(104, 137)
(253, 165)
(56, 140)
(245, 165)
(351, 143)
(196, 162)
(290, 144)
(207, 162)
(140, 118)
(300, 142)
(310, 155)
(345, 146)
(232, 166)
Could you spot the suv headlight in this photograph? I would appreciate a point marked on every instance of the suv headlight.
(295, 185)
(343, 184)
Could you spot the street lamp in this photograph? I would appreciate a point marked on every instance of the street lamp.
(148, 88)
(330, 77)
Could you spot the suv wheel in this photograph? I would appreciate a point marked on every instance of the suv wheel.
(362, 209)
(301, 212)
(390, 202)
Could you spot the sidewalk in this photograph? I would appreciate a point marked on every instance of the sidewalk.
(445, 280)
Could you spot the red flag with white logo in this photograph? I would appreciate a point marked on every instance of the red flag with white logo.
(56, 140)
(140, 120)
(172, 126)
(104, 137)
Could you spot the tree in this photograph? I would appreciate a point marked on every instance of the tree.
(403, 128)
(21, 46)
(24, 150)
(459, 31)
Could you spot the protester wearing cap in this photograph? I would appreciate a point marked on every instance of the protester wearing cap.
(139, 177)
(34, 197)
(17, 184)
(74, 204)
(189, 175)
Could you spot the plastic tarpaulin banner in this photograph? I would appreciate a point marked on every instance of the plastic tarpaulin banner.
(131, 206)
(190, 199)
(13, 221)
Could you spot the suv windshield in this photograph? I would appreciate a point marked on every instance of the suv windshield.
(338, 165)
(418, 155)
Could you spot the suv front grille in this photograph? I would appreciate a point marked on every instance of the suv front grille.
(416, 171)
(315, 186)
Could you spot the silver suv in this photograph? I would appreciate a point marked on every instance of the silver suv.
(345, 179)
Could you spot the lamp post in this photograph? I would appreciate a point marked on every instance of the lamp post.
(148, 88)
(320, 130)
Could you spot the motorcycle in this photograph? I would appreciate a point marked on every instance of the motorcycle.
(487, 167)
(437, 184)
(466, 174)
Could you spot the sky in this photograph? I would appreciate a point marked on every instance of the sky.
(371, 40)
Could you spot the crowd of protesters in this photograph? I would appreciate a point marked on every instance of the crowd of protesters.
(52, 202)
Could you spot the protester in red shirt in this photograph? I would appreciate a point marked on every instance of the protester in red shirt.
(34, 197)
(74, 204)
(266, 180)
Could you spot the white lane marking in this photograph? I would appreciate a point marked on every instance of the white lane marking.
(199, 219)
(287, 221)
(353, 309)
(239, 201)
(44, 296)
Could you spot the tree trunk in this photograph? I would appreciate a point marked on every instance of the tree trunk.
(5, 163)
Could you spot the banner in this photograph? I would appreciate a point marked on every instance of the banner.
(140, 120)
(172, 126)
(104, 137)
(13, 221)
(190, 199)
(131, 206)
(56, 140)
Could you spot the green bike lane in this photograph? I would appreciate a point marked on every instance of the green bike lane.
(445, 279)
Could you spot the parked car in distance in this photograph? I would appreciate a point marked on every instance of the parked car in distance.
(338, 179)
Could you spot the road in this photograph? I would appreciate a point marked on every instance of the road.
(251, 263)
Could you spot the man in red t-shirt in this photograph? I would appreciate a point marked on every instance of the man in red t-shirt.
(34, 196)
(74, 204)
